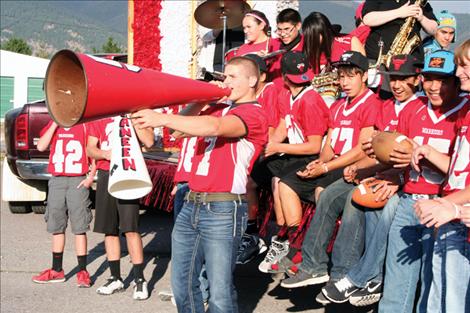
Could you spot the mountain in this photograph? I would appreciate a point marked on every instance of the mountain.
(83, 25)
(53, 25)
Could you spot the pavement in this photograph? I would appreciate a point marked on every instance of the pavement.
(25, 251)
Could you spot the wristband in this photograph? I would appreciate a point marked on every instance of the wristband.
(325, 167)
(457, 211)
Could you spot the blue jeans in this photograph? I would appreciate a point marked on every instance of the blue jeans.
(409, 255)
(328, 209)
(370, 266)
(181, 190)
(207, 233)
(450, 290)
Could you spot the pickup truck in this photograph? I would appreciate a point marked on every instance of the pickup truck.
(25, 176)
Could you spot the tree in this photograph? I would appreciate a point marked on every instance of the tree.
(111, 47)
(17, 45)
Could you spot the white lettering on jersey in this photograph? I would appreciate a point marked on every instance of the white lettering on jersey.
(203, 167)
(460, 161)
(343, 134)
(440, 144)
(74, 152)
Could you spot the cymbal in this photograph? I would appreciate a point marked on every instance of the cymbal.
(209, 14)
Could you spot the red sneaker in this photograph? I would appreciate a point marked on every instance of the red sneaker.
(49, 276)
(83, 279)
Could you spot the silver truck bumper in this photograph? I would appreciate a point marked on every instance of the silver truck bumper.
(33, 169)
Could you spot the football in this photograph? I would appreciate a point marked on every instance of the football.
(384, 143)
(364, 195)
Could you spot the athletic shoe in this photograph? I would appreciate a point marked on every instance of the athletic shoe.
(250, 247)
(276, 251)
(340, 291)
(111, 286)
(140, 290)
(368, 295)
(49, 276)
(303, 278)
(320, 298)
(83, 279)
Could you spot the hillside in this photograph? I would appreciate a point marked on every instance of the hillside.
(54, 25)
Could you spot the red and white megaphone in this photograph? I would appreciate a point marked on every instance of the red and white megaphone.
(82, 88)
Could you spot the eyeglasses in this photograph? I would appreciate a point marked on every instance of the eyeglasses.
(285, 31)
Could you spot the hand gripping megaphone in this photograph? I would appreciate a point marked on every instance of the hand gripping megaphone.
(82, 88)
(128, 174)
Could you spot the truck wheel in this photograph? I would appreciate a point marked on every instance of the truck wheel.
(19, 207)
(38, 207)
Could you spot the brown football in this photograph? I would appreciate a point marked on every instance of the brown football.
(384, 143)
(363, 194)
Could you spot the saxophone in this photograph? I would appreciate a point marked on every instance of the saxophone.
(327, 83)
(402, 44)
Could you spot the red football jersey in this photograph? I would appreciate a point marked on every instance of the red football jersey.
(361, 32)
(268, 99)
(340, 45)
(347, 119)
(274, 69)
(254, 47)
(426, 125)
(305, 115)
(222, 164)
(387, 118)
(103, 130)
(459, 170)
(183, 170)
(68, 151)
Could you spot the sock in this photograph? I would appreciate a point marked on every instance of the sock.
(115, 268)
(291, 233)
(57, 258)
(81, 262)
(252, 227)
(138, 271)
(282, 234)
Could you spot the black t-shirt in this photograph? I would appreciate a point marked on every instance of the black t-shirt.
(388, 31)
(234, 38)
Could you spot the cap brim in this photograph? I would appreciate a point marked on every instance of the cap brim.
(398, 73)
(302, 78)
(438, 73)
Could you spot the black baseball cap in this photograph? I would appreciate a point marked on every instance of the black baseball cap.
(295, 66)
(258, 60)
(403, 65)
(353, 58)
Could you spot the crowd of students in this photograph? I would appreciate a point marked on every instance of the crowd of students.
(279, 132)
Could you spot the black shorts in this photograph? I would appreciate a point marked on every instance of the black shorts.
(113, 215)
(305, 187)
(278, 166)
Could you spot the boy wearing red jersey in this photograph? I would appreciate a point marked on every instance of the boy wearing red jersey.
(410, 244)
(451, 267)
(68, 197)
(210, 225)
(113, 215)
(351, 121)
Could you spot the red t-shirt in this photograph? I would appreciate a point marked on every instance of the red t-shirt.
(268, 99)
(361, 32)
(103, 130)
(305, 115)
(347, 119)
(388, 116)
(222, 164)
(253, 47)
(459, 170)
(425, 125)
(274, 69)
(68, 151)
(339, 46)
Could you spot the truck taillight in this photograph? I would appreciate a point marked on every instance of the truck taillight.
(21, 132)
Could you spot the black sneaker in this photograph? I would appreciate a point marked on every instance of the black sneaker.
(320, 298)
(250, 247)
(368, 295)
(340, 291)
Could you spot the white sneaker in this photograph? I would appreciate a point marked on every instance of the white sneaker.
(140, 290)
(276, 251)
(111, 286)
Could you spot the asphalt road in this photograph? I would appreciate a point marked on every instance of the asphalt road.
(25, 251)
